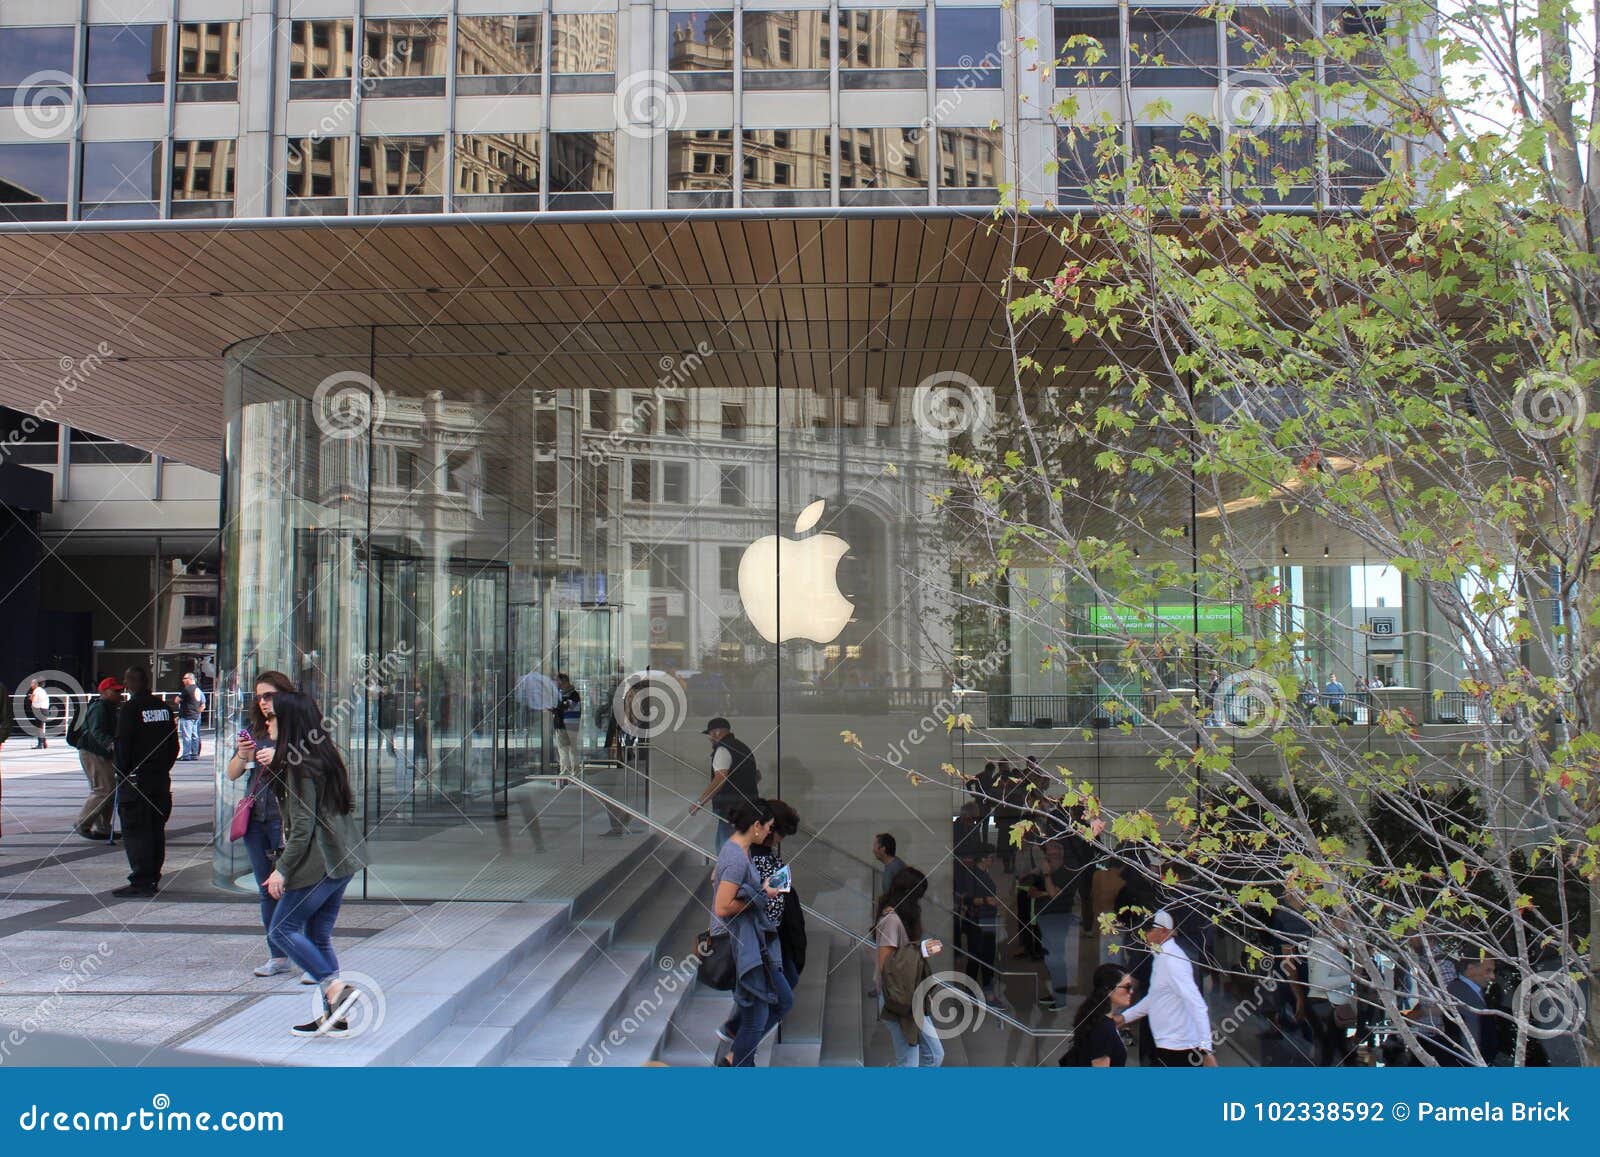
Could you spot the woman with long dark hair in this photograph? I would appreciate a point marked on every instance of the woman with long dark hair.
(323, 849)
(1096, 1043)
(762, 996)
(900, 924)
(264, 837)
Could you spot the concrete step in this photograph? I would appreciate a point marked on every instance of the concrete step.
(842, 999)
(797, 1056)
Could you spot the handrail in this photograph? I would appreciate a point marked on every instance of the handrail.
(811, 913)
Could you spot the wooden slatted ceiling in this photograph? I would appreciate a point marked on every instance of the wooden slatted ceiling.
(856, 305)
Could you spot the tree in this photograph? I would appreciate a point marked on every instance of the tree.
(1266, 390)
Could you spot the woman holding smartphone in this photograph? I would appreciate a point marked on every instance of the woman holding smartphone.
(899, 924)
(264, 837)
(761, 996)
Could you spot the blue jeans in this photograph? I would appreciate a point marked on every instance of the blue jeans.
(1059, 934)
(261, 842)
(927, 1053)
(755, 1017)
(188, 738)
(303, 923)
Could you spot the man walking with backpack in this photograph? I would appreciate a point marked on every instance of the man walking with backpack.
(95, 737)
(735, 778)
(147, 747)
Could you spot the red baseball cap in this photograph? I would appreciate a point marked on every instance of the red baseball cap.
(109, 683)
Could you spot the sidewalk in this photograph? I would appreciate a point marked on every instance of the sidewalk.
(150, 973)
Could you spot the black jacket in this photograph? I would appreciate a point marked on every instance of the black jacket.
(147, 738)
(792, 933)
(744, 777)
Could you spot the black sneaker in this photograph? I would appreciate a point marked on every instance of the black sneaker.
(135, 891)
(345, 1004)
(324, 1025)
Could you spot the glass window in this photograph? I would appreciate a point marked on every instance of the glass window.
(733, 420)
(1089, 43)
(675, 416)
(583, 41)
(639, 480)
(971, 158)
(1357, 161)
(202, 170)
(700, 41)
(1180, 147)
(1172, 46)
(319, 167)
(402, 167)
(728, 558)
(404, 47)
(883, 38)
(1269, 39)
(786, 159)
(883, 158)
(1275, 165)
(970, 48)
(208, 51)
(498, 46)
(120, 171)
(497, 164)
(582, 162)
(322, 49)
(732, 488)
(24, 52)
(674, 482)
(1357, 36)
(777, 41)
(700, 159)
(1087, 159)
(128, 60)
(34, 174)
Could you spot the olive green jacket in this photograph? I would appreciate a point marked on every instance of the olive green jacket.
(318, 844)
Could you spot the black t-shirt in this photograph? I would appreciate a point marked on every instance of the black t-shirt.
(1101, 1040)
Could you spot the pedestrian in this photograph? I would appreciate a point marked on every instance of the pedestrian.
(978, 906)
(191, 708)
(1069, 873)
(899, 928)
(735, 778)
(1475, 1032)
(95, 737)
(1012, 787)
(323, 850)
(566, 717)
(38, 711)
(767, 856)
(1212, 718)
(1178, 1015)
(146, 749)
(1332, 693)
(883, 850)
(761, 995)
(1030, 879)
(263, 837)
(1096, 1041)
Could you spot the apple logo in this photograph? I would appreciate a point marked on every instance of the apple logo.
(789, 586)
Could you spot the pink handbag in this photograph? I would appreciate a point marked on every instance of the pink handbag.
(241, 815)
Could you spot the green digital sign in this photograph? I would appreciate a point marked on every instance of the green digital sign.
(1209, 619)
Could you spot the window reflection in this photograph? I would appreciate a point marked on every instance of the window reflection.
(1089, 41)
(787, 158)
(26, 51)
(1172, 46)
(402, 166)
(120, 171)
(1357, 161)
(786, 40)
(404, 47)
(496, 46)
(969, 40)
(1270, 39)
(33, 181)
(583, 41)
(892, 158)
(1181, 148)
(700, 159)
(971, 158)
(1362, 31)
(1088, 160)
(319, 167)
(883, 38)
(582, 162)
(126, 63)
(208, 51)
(500, 168)
(322, 49)
(699, 41)
(1275, 165)
(202, 170)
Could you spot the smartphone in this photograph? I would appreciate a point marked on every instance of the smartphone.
(930, 947)
(781, 880)
(245, 738)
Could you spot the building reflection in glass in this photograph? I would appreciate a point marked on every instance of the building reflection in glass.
(787, 158)
(583, 41)
(786, 40)
(893, 158)
(883, 38)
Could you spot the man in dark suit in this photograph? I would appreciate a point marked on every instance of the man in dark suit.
(1470, 990)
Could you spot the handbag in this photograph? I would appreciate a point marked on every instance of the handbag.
(718, 968)
(241, 814)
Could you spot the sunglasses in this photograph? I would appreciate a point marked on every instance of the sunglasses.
(1125, 986)
(265, 696)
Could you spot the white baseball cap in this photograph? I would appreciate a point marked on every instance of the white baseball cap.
(1162, 919)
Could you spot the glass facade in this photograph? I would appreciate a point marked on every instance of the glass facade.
(426, 525)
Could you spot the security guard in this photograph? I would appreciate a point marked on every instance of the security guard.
(147, 747)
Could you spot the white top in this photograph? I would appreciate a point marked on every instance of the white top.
(1328, 973)
(721, 760)
(40, 698)
(1178, 1015)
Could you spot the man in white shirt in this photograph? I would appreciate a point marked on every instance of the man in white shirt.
(1178, 1016)
(39, 708)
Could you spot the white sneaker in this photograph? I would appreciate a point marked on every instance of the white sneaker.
(274, 966)
(307, 978)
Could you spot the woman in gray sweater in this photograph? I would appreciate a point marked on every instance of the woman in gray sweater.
(323, 849)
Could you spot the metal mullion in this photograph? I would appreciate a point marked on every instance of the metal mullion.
(170, 96)
(80, 113)
(358, 43)
(930, 85)
(738, 104)
(451, 33)
(833, 104)
(546, 85)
